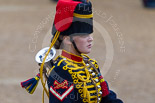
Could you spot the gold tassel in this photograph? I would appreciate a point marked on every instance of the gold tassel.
(84, 90)
(88, 96)
(86, 93)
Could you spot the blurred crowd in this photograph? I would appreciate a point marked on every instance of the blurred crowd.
(149, 3)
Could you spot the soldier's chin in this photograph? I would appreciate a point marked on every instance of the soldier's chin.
(87, 51)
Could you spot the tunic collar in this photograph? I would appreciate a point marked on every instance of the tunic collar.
(71, 56)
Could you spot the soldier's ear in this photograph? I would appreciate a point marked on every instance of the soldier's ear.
(66, 40)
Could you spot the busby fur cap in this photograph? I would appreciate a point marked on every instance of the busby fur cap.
(73, 17)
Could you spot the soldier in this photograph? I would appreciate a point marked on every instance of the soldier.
(73, 77)
(76, 78)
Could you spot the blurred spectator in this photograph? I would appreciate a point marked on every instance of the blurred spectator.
(149, 3)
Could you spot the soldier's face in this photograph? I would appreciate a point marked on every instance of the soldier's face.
(83, 43)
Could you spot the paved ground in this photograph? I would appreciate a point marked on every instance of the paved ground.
(123, 46)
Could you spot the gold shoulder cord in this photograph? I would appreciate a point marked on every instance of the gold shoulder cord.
(41, 68)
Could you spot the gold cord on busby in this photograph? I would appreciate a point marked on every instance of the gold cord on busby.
(42, 65)
(41, 57)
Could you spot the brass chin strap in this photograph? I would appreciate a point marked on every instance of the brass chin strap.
(75, 47)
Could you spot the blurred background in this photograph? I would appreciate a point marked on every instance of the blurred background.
(124, 35)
